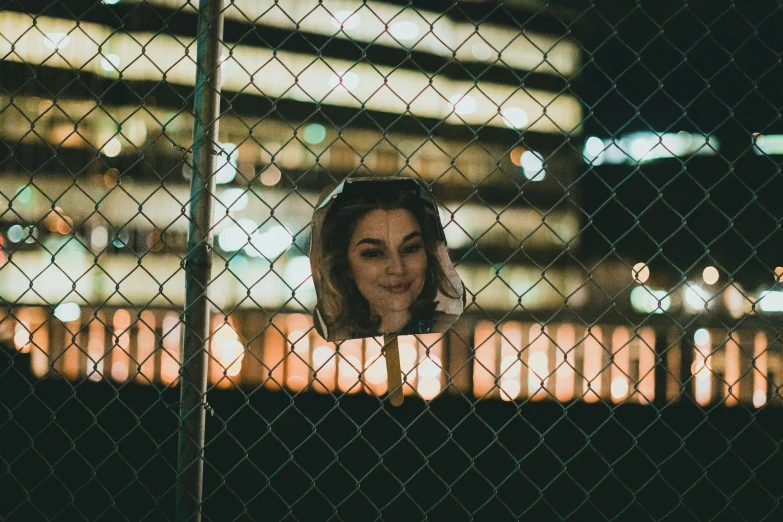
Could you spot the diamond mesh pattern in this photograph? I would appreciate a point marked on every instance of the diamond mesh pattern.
(608, 178)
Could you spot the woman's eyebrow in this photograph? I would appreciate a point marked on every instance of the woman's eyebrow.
(380, 242)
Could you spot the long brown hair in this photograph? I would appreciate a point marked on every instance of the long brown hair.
(346, 308)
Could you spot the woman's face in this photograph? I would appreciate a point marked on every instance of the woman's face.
(387, 259)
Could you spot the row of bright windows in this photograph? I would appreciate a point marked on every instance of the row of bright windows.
(562, 362)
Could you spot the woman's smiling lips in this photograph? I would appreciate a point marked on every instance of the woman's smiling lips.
(399, 288)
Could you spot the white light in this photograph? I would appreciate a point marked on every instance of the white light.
(297, 270)
(771, 301)
(509, 389)
(404, 30)
(481, 51)
(642, 147)
(593, 147)
(770, 144)
(514, 117)
(112, 148)
(710, 275)
(696, 297)
(269, 244)
(30, 234)
(428, 388)
(226, 165)
(67, 312)
(619, 388)
(346, 20)
(701, 337)
(646, 300)
(236, 236)
(99, 238)
(346, 81)
(111, 2)
(233, 200)
(323, 357)
(759, 398)
(533, 166)
(110, 63)
(15, 233)
(231, 354)
(56, 41)
(430, 367)
(462, 105)
(640, 272)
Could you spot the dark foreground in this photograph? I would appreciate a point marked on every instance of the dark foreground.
(85, 451)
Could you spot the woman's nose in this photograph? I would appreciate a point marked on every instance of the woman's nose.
(394, 264)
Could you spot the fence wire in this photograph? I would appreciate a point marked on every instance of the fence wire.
(608, 177)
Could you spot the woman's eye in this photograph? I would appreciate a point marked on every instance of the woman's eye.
(371, 253)
(412, 249)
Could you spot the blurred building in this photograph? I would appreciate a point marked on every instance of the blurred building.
(95, 126)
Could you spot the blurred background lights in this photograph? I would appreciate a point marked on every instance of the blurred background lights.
(771, 301)
(619, 388)
(701, 337)
(533, 165)
(56, 41)
(15, 233)
(346, 20)
(710, 275)
(759, 398)
(404, 30)
(232, 200)
(112, 148)
(481, 51)
(640, 272)
(593, 148)
(516, 156)
(270, 244)
(514, 117)
(696, 297)
(344, 81)
(646, 300)
(66, 312)
(111, 2)
(99, 238)
(270, 176)
(462, 104)
(24, 195)
(110, 63)
(769, 144)
(236, 236)
(226, 165)
(314, 133)
(30, 234)
(646, 146)
(779, 273)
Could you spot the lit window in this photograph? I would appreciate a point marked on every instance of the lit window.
(731, 369)
(565, 363)
(120, 351)
(593, 364)
(145, 348)
(760, 384)
(170, 356)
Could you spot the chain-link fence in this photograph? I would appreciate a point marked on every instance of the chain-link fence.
(608, 177)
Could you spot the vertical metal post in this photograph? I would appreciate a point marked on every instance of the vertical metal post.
(198, 267)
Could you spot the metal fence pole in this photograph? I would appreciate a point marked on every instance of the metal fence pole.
(198, 268)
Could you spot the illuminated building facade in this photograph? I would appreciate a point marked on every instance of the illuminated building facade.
(97, 123)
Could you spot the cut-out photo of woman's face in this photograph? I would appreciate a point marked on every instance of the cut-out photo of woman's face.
(380, 262)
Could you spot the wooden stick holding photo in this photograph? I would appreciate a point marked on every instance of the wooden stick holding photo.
(391, 351)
